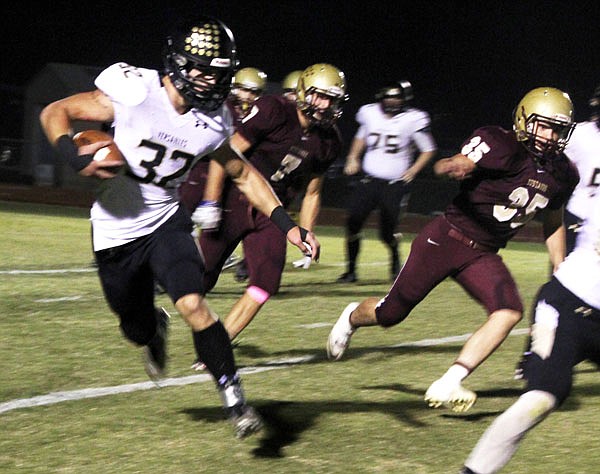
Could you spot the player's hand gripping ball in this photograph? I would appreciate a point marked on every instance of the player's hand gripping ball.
(110, 152)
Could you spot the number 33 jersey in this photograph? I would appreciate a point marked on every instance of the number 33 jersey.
(159, 145)
(507, 188)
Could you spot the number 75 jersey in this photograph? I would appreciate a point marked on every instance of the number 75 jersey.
(508, 187)
(159, 145)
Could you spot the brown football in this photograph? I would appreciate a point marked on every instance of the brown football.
(110, 152)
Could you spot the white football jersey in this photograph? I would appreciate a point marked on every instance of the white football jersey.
(583, 150)
(159, 145)
(580, 272)
(392, 141)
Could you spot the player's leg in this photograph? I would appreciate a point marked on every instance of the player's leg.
(214, 349)
(389, 212)
(559, 342)
(360, 205)
(178, 265)
(426, 266)
(128, 285)
(500, 441)
(241, 271)
(216, 246)
(486, 279)
(214, 250)
(265, 252)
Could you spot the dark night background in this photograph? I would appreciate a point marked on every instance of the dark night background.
(469, 62)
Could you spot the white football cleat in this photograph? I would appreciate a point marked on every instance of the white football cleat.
(339, 337)
(456, 397)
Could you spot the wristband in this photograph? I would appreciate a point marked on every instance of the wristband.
(69, 151)
(303, 234)
(282, 220)
(208, 203)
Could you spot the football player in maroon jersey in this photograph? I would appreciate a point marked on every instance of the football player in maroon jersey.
(506, 178)
(289, 84)
(247, 85)
(292, 145)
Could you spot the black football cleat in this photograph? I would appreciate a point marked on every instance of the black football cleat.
(241, 272)
(155, 352)
(348, 277)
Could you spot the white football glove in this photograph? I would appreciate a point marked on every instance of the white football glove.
(207, 215)
(305, 261)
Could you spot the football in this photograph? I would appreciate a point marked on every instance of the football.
(110, 152)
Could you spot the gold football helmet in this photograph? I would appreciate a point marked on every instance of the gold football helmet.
(541, 109)
(247, 85)
(290, 81)
(326, 81)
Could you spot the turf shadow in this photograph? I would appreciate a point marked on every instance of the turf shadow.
(285, 421)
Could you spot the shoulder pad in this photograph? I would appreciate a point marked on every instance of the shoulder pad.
(127, 84)
(420, 118)
(499, 138)
(364, 111)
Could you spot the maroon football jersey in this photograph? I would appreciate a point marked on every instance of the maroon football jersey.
(285, 154)
(507, 188)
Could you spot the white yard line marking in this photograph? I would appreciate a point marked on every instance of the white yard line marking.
(54, 300)
(47, 272)
(71, 395)
(314, 325)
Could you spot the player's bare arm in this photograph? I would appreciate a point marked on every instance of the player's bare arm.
(457, 167)
(420, 163)
(260, 194)
(216, 173)
(353, 163)
(57, 118)
(311, 203)
(555, 236)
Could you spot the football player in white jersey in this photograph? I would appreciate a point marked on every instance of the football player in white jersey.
(163, 123)
(583, 151)
(390, 132)
(565, 332)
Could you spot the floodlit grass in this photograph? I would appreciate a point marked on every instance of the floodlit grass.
(363, 414)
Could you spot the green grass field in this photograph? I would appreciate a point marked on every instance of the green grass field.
(363, 414)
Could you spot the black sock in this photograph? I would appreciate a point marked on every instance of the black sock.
(214, 349)
(353, 249)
